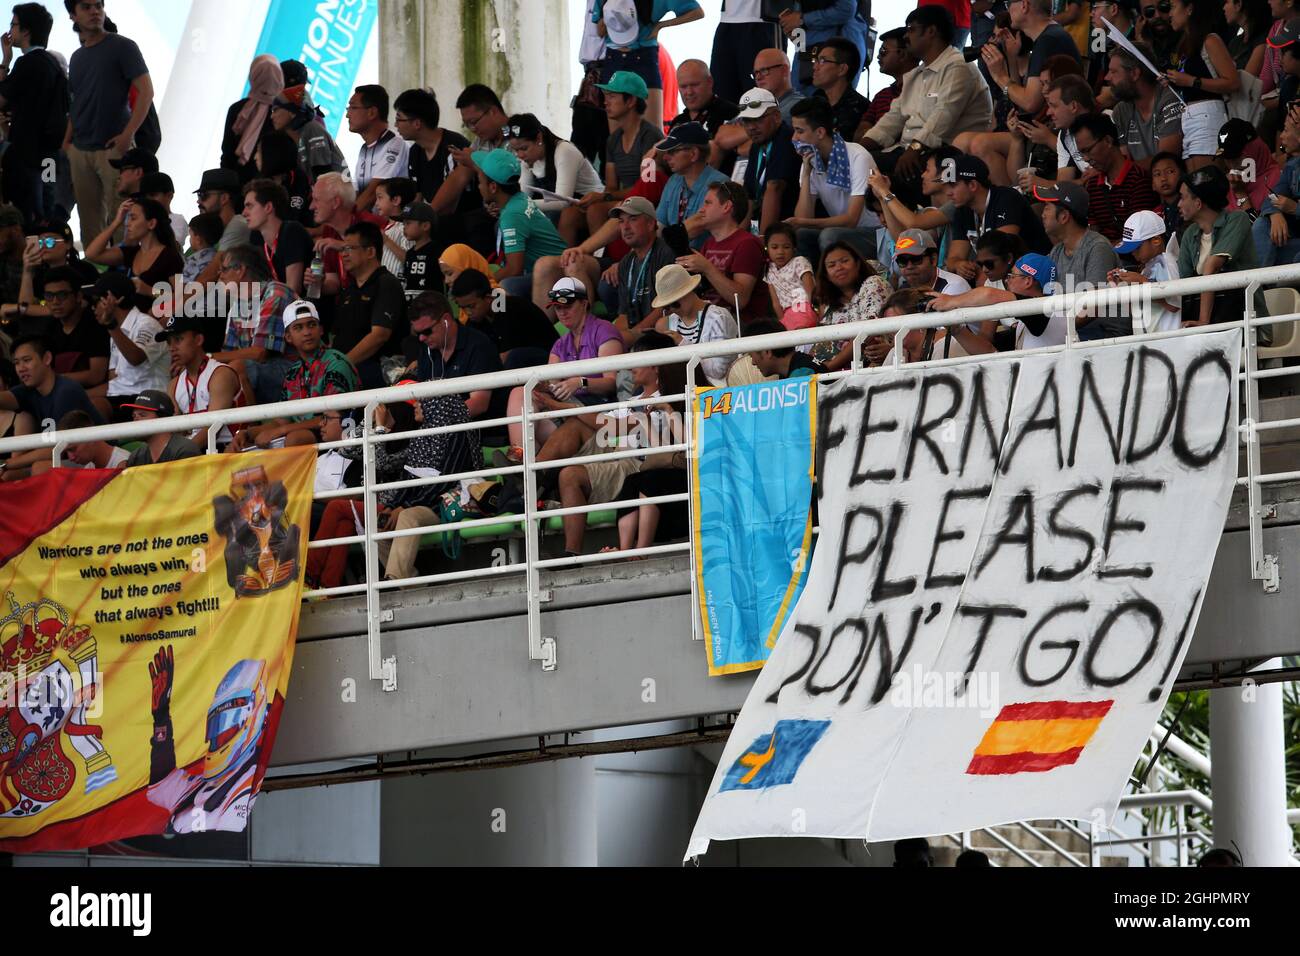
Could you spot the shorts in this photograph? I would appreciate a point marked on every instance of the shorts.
(643, 61)
(1202, 121)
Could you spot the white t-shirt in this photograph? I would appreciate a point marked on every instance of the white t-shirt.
(181, 229)
(836, 200)
(742, 11)
(153, 372)
(1166, 314)
(116, 459)
(396, 232)
(952, 283)
(574, 177)
(1067, 153)
(1054, 334)
(385, 158)
(715, 325)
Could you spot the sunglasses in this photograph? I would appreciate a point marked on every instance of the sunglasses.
(988, 265)
(47, 242)
(1164, 7)
(423, 333)
(909, 260)
(562, 298)
(510, 132)
(59, 296)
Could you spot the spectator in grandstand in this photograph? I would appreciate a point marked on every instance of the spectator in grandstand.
(630, 139)
(632, 33)
(334, 204)
(79, 343)
(731, 261)
(916, 258)
(692, 320)
(41, 398)
(741, 36)
(205, 233)
(102, 72)
(148, 254)
(12, 246)
(160, 188)
(982, 207)
(276, 158)
(384, 154)
(1204, 74)
(835, 75)
(772, 73)
(522, 333)
(784, 362)
(526, 234)
(254, 341)
(1271, 76)
(136, 361)
(449, 349)
(1144, 240)
(935, 211)
(53, 249)
(686, 150)
(134, 165)
(835, 173)
(484, 116)
(285, 243)
(995, 253)
(1032, 276)
(1148, 114)
(1216, 241)
(1277, 231)
(1121, 187)
(587, 337)
(634, 274)
(201, 383)
(978, 859)
(371, 318)
(456, 259)
(774, 167)
(819, 20)
(1155, 28)
(161, 447)
(1167, 172)
(848, 290)
(1033, 18)
(1250, 166)
(548, 163)
(89, 454)
(319, 371)
(1121, 14)
(450, 189)
(249, 119)
(914, 853)
(293, 114)
(942, 98)
(1082, 256)
(220, 192)
(699, 102)
(789, 279)
(896, 59)
(35, 95)
(1248, 25)
(420, 272)
(1068, 98)
(392, 197)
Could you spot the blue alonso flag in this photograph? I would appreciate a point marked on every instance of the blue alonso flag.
(773, 759)
(753, 460)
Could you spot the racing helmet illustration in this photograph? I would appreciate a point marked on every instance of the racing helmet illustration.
(236, 718)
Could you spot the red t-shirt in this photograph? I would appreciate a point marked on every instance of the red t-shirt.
(741, 253)
(960, 10)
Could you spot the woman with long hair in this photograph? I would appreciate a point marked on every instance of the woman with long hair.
(1205, 74)
(555, 165)
(148, 251)
(1248, 27)
(249, 119)
(848, 290)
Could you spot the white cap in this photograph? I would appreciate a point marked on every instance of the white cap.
(621, 24)
(568, 288)
(1140, 227)
(298, 310)
(756, 103)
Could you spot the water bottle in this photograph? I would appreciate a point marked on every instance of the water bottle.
(316, 277)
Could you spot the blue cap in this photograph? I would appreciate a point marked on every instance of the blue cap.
(1039, 268)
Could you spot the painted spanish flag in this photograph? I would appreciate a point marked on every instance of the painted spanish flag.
(1030, 738)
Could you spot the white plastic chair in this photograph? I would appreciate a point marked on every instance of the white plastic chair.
(1286, 335)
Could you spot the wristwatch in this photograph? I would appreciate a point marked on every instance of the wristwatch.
(890, 198)
(582, 383)
(916, 144)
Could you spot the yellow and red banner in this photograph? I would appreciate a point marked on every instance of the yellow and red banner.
(147, 625)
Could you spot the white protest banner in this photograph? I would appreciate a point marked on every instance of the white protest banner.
(1010, 566)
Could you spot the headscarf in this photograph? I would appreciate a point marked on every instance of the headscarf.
(461, 257)
(265, 81)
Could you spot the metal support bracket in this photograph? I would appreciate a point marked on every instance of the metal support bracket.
(1272, 578)
(390, 674)
(548, 654)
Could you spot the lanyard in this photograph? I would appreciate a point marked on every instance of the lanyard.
(269, 249)
(637, 291)
(193, 390)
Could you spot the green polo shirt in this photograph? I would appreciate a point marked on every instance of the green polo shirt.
(524, 228)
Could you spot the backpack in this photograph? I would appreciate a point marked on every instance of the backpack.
(49, 137)
(149, 135)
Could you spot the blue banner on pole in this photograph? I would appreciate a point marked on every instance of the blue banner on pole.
(753, 461)
(329, 37)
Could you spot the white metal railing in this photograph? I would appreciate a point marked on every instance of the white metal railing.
(541, 647)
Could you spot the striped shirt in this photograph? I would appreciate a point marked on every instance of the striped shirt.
(1110, 203)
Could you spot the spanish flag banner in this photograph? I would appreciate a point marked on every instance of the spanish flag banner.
(146, 638)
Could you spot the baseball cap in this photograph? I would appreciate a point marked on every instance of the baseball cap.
(498, 165)
(177, 324)
(418, 212)
(633, 206)
(1234, 136)
(115, 284)
(567, 290)
(1038, 267)
(1138, 228)
(10, 216)
(152, 400)
(972, 168)
(294, 72)
(219, 181)
(152, 183)
(684, 134)
(621, 24)
(1287, 36)
(756, 103)
(136, 158)
(913, 242)
(627, 83)
(1070, 195)
(298, 310)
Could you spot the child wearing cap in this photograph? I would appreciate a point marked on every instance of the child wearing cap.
(1144, 240)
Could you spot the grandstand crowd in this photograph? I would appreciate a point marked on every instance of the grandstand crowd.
(1022, 148)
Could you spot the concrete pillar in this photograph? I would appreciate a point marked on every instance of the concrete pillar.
(1248, 772)
(520, 48)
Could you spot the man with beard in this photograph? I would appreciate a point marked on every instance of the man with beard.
(1147, 114)
(1156, 29)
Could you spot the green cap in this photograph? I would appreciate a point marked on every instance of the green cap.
(627, 83)
(499, 165)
